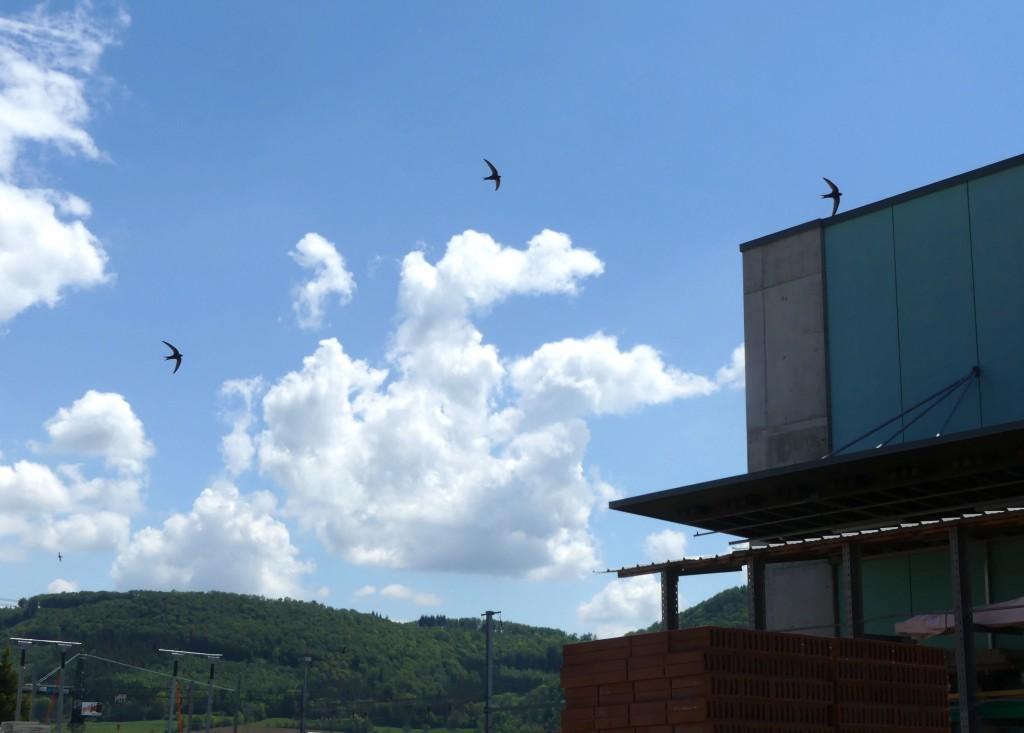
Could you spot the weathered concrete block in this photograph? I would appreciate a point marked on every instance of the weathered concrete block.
(791, 258)
(794, 334)
(753, 340)
(798, 595)
(753, 272)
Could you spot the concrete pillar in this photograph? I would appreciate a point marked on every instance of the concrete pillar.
(784, 337)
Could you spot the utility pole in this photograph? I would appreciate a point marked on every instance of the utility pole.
(238, 697)
(60, 693)
(302, 702)
(209, 697)
(62, 645)
(170, 699)
(174, 678)
(490, 680)
(77, 695)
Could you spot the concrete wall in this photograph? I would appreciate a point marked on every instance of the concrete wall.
(799, 594)
(784, 334)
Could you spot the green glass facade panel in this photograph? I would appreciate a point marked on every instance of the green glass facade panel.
(863, 343)
(997, 238)
(1006, 581)
(916, 294)
(935, 307)
(885, 585)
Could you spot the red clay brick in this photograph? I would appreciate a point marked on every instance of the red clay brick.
(647, 713)
(652, 690)
(611, 716)
(581, 697)
(620, 693)
(578, 721)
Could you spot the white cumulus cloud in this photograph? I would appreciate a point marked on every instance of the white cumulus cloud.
(102, 424)
(449, 457)
(59, 585)
(237, 447)
(591, 375)
(61, 509)
(229, 541)
(625, 604)
(45, 248)
(313, 252)
(404, 593)
(733, 374)
(665, 545)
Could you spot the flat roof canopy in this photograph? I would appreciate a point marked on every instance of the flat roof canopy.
(925, 480)
(991, 525)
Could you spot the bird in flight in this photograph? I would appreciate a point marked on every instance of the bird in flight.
(60, 558)
(834, 195)
(176, 356)
(495, 176)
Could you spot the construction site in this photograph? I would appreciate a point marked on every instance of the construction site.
(879, 524)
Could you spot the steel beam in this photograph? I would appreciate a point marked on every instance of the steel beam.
(756, 594)
(853, 598)
(670, 599)
(963, 617)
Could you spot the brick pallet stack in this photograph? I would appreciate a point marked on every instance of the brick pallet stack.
(716, 680)
(889, 688)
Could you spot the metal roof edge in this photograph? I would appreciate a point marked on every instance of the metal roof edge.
(1011, 162)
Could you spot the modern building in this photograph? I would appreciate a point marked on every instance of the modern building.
(885, 430)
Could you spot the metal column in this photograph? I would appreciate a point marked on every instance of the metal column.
(209, 700)
(670, 599)
(963, 618)
(755, 593)
(60, 695)
(853, 597)
(170, 701)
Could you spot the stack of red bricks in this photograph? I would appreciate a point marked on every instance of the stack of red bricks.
(717, 680)
(890, 687)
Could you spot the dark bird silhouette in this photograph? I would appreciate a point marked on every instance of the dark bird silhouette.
(60, 558)
(494, 174)
(834, 195)
(176, 356)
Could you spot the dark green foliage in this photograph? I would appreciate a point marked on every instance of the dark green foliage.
(362, 662)
(728, 608)
(8, 686)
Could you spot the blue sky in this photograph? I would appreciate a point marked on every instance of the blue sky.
(476, 400)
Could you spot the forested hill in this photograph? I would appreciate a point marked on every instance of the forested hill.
(728, 608)
(358, 657)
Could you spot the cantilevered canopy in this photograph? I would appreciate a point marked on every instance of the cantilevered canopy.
(923, 480)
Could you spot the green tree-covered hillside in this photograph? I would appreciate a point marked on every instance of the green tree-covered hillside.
(363, 663)
(728, 608)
